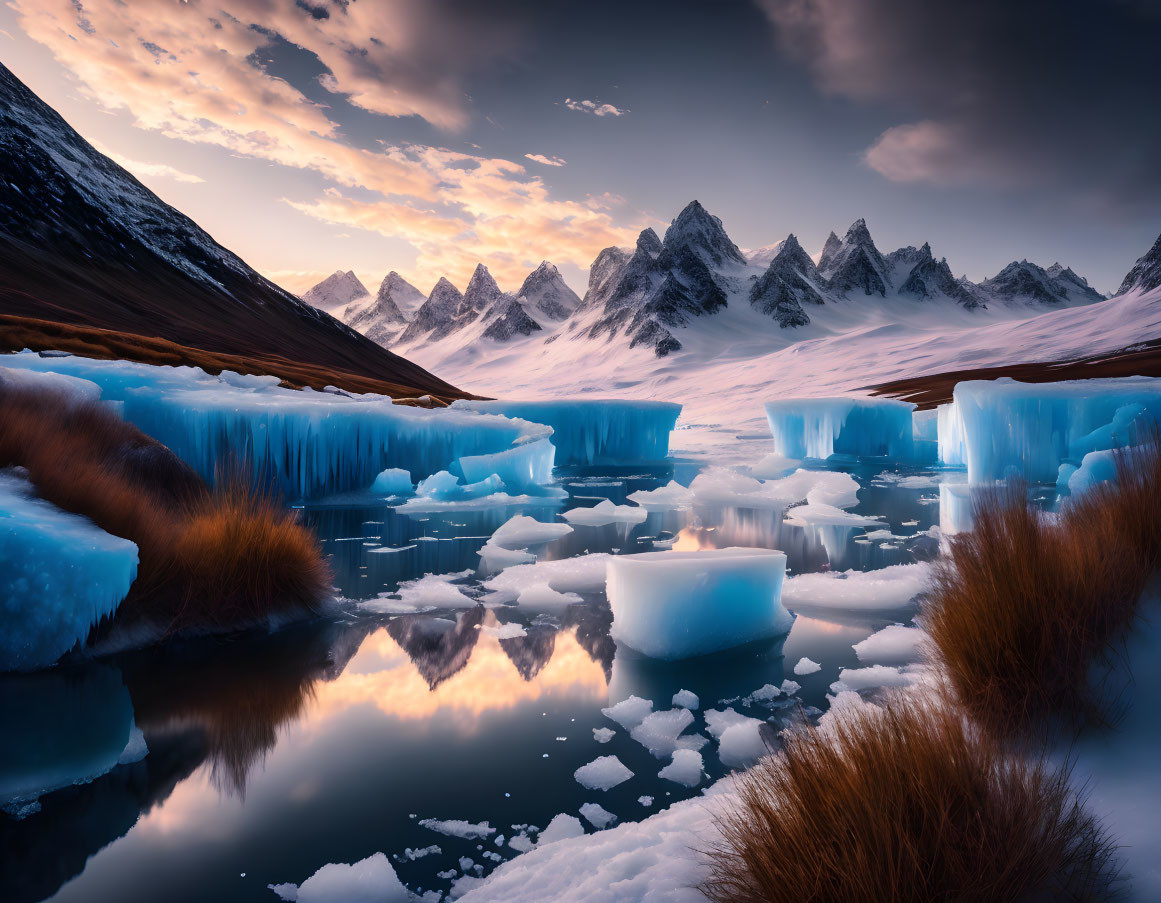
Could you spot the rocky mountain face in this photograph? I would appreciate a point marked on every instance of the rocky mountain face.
(83, 243)
(1146, 272)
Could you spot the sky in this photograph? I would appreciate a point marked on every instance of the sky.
(426, 136)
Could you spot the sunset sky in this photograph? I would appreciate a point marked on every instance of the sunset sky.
(428, 135)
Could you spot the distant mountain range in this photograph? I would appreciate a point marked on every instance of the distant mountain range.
(109, 267)
(663, 291)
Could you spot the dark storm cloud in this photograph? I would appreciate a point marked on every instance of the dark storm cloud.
(1062, 94)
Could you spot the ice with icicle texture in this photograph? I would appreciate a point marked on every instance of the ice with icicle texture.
(60, 575)
(675, 605)
(1031, 429)
(590, 431)
(308, 443)
(859, 427)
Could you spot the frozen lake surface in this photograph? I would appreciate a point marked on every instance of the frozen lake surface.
(438, 736)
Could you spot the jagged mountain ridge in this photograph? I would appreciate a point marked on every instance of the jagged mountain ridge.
(84, 245)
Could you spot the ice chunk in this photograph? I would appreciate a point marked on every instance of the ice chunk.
(305, 443)
(629, 712)
(666, 498)
(457, 827)
(604, 513)
(888, 589)
(806, 666)
(1031, 429)
(581, 574)
(684, 768)
(562, 827)
(524, 467)
(602, 773)
(60, 575)
(1095, 467)
(603, 734)
(393, 481)
(894, 645)
(822, 427)
(686, 699)
(588, 431)
(597, 815)
(372, 880)
(658, 732)
(673, 605)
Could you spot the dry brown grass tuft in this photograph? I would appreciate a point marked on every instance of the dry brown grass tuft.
(211, 559)
(907, 803)
(1025, 604)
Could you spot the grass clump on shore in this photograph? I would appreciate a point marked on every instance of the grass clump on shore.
(1025, 604)
(905, 803)
(209, 558)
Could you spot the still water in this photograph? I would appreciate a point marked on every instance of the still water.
(272, 754)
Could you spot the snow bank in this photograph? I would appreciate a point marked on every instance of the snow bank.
(888, 589)
(843, 425)
(60, 575)
(307, 443)
(595, 431)
(673, 605)
(1031, 429)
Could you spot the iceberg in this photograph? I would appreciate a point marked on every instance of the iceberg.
(306, 443)
(591, 431)
(60, 575)
(674, 605)
(1029, 430)
(860, 427)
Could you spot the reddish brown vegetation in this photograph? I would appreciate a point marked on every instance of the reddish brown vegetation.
(17, 333)
(207, 558)
(907, 803)
(1024, 605)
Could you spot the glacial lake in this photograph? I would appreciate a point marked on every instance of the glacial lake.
(272, 754)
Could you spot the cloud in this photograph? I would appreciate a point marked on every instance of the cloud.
(547, 161)
(189, 71)
(1045, 93)
(594, 107)
(147, 170)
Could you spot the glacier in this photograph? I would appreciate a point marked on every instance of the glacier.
(60, 575)
(306, 443)
(842, 425)
(1030, 430)
(676, 605)
(595, 431)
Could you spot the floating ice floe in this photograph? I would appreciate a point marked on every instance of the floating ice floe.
(371, 880)
(673, 605)
(669, 497)
(307, 443)
(393, 481)
(597, 815)
(60, 575)
(685, 768)
(588, 431)
(1030, 430)
(604, 513)
(894, 645)
(603, 773)
(888, 589)
(860, 427)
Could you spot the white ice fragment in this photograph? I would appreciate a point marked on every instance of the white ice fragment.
(894, 645)
(602, 773)
(603, 734)
(673, 605)
(658, 732)
(393, 481)
(686, 699)
(665, 498)
(457, 827)
(806, 666)
(685, 768)
(561, 827)
(604, 513)
(597, 815)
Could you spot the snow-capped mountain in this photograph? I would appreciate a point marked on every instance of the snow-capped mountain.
(1146, 272)
(336, 293)
(82, 242)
